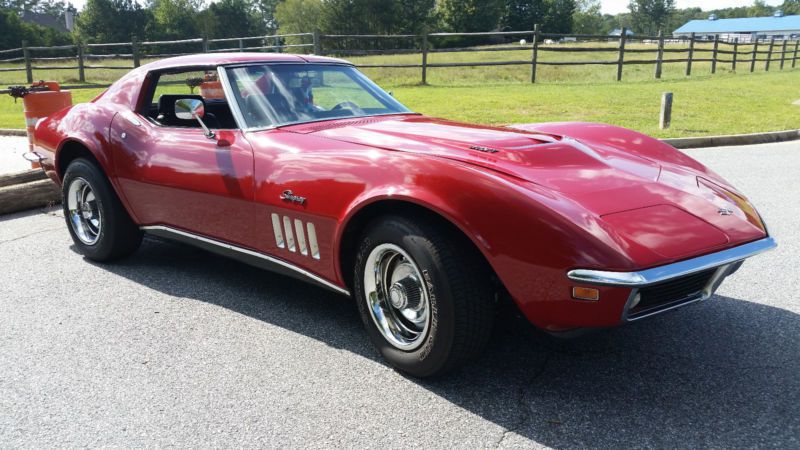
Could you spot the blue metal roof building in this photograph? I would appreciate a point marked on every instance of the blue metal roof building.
(778, 26)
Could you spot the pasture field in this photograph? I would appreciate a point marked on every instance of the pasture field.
(705, 104)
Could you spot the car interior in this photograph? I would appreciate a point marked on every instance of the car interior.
(161, 110)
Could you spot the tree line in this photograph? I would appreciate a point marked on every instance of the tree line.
(103, 21)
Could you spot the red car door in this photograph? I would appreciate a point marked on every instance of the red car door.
(178, 177)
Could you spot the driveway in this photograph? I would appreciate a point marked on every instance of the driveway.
(178, 347)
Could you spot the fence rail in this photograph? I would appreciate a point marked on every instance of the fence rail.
(731, 52)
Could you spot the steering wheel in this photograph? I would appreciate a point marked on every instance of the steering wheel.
(351, 106)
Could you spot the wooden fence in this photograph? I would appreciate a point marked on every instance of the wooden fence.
(732, 53)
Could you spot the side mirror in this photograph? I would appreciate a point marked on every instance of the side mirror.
(189, 109)
(192, 109)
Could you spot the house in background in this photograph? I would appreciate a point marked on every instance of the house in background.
(62, 24)
(745, 29)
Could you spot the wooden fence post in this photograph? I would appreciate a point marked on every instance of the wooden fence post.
(424, 56)
(690, 56)
(135, 51)
(666, 111)
(735, 54)
(714, 54)
(317, 43)
(534, 52)
(27, 55)
(755, 55)
(769, 52)
(621, 59)
(81, 71)
(660, 55)
(205, 44)
(241, 45)
(783, 53)
(794, 59)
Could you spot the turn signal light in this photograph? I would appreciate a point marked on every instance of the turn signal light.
(584, 293)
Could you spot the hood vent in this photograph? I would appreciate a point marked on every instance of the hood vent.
(342, 123)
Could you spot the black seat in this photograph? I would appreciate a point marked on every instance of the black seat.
(167, 117)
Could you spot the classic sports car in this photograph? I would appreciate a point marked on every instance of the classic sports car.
(302, 165)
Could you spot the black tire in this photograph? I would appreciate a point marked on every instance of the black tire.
(460, 291)
(118, 236)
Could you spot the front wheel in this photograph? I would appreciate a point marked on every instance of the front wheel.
(96, 219)
(425, 295)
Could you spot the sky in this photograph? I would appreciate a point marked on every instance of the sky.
(618, 6)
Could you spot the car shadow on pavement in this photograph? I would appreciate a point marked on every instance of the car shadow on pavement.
(722, 373)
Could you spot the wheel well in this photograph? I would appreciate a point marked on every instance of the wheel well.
(358, 224)
(70, 151)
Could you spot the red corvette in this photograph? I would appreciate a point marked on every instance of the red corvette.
(302, 165)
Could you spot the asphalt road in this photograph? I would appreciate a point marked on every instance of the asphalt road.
(178, 347)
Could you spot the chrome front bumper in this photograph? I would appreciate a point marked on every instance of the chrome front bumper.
(723, 263)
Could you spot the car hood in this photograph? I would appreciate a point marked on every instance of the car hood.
(556, 162)
(620, 186)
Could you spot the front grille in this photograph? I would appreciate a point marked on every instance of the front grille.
(672, 292)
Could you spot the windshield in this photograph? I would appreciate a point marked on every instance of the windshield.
(283, 94)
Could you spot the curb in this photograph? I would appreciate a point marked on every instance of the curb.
(12, 132)
(733, 139)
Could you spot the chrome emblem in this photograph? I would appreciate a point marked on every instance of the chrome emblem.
(483, 149)
(289, 196)
(724, 211)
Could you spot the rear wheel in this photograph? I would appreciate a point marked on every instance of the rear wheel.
(98, 223)
(425, 296)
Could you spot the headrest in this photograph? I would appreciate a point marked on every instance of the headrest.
(166, 103)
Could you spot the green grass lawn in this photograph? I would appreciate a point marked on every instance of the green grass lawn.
(704, 104)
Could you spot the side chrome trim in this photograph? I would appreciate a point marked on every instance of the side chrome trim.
(287, 229)
(674, 270)
(312, 240)
(276, 229)
(247, 256)
(301, 236)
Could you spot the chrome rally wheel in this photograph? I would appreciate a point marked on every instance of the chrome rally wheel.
(424, 293)
(85, 217)
(398, 300)
(97, 221)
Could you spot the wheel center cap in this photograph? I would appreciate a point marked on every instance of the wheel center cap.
(86, 210)
(406, 293)
(397, 296)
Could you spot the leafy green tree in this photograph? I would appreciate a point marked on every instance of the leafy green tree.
(174, 19)
(12, 34)
(524, 14)
(299, 16)
(477, 15)
(230, 18)
(263, 15)
(649, 16)
(111, 21)
(416, 16)
(760, 9)
(558, 16)
(14, 31)
(791, 7)
(587, 18)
